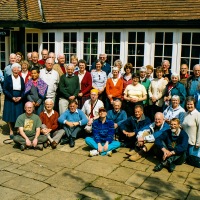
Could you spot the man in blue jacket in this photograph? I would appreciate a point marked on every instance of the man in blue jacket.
(172, 145)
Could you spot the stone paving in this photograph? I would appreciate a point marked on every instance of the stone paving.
(68, 173)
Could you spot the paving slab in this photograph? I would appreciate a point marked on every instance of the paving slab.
(193, 181)
(83, 150)
(196, 170)
(184, 168)
(194, 195)
(144, 194)
(164, 198)
(113, 186)
(96, 167)
(26, 185)
(161, 175)
(35, 176)
(178, 177)
(4, 164)
(71, 180)
(36, 153)
(135, 165)
(6, 176)
(7, 149)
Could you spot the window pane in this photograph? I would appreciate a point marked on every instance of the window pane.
(29, 37)
(158, 50)
(115, 58)
(35, 47)
(73, 37)
(131, 59)
(108, 38)
(66, 48)
(67, 58)
(87, 48)
(94, 49)
(186, 37)
(94, 37)
(185, 51)
(51, 37)
(116, 49)
(168, 38)
(139, 61)
(194, 62)
(140, 49)
(2, 56)
(73, 48)
(45, 37)
(51, 47)
(195, 51)
(140, 37)
(116, 38)
(196, 38)
(45, 45)
(29, 48)
(35, 37)
(131, 37)
(66, 37)
(168, 58)
(109, 59)
(87, 58)
(108, 48)
(159, 38)
(2, 46)
(168, 50)
(86, 37)
(131, 49)
(157, 61)
(93, 58)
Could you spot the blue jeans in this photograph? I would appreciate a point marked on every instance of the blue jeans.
(113, 145)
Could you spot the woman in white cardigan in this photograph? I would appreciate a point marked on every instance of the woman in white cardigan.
(191, 125)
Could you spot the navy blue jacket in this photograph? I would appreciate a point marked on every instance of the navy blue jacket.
(106, 67)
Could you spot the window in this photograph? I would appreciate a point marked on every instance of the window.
(2, 52)
(136, 49)
(48, 41)
(163, 47)
(90, 47)
(31, 42)
(69, 45)
(112, 46)
(190, 49)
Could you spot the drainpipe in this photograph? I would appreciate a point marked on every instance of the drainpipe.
(41, 10)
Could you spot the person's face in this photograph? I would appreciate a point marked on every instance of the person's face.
(158, 120)
(29, 58)
(142, 74)
(15, 71)
(119, 66)
(18, 58)
(49, 65)
(72, 107)
(98, 66)
(190, 106)
(184, 69)
(24, 67)
(117, 106)
(34, 75)
(174, 125)
(103, 58)
(115, 73)
(52, 56)
(13, 59)
(135, 81)
(128, 70)
(82, 66)
(102, 114)
(49, 105)
(165, 66)
(29, 109)
(175, 103)
(138, 113)
(159, 74)
(149, 72)
(197, 71)
(61, 60)
(74, 62)
(44, 54)
(70, 70)
(34, 57)
(174, 79)
(93, 96)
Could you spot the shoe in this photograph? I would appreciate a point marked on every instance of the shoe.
(109, 153)
(22, 147)
(63, 141)
(93, 152)
(171, 167)
(158, 167)
(136, 156)
(71, 142)
(53, 145)
(11, 136)
(46, 144)
(131, 153)
(39, 147)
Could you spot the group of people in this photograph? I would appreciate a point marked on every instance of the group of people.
(110, 107)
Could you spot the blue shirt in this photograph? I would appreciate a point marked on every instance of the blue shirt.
(99, 79)
(194, 85)
(117, 117)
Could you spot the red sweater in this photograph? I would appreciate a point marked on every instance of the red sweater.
(115, 91)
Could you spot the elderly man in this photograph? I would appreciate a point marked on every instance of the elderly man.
(106, 67)
(49, 118)
(102, 141)
(51, 78)
(184, 74)
(167, 72)
(69, 88)
(73, 121)
(91, 109)
(193, 81)
(146, 136)
(8, 70)
(44, 54)
(131, 126)
(29, 56)
(53, 56)
(29, 129)
(172, 145)
(34, 60)
(60, 67)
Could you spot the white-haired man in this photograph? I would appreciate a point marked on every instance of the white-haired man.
(8, 70)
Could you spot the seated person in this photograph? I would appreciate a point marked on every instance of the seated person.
(49, 118)
(131, 126)
(172, 145)
(146, 136)
(91, 109)
(73, 121)
(117, 115)
(29, 129)
(102, 141)
(174, 110)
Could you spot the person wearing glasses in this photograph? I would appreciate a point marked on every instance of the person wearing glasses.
(184, 74)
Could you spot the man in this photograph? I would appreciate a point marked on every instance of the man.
(29, 56)
(73, 121)
(167, 72)
(172, 145)
(29, 129)
(51, 78)
(106, 67)
(91, 109)
(117, 115)
(184, 74)
(103, 132)
(53, 56)
(146, 136)
(131, 126)
(60, 67)
(34, 60)
(7, 70)
(193, 81)
(49, 127)
(69, 88)
(44, 54)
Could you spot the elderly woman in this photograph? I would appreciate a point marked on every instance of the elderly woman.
(174, 87)
(85, 81)
(13, 89)
(191, 125)
(117, 63)
(174, 110)
(25, 73)
(19, 57)
(134, 94)
(99, 78)
(149, 74)
(114, 87)
(127, 77)
(156, 93)
(74, 61)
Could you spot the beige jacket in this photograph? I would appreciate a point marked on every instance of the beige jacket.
(58, 69)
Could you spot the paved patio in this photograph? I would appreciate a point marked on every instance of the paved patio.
(68, 173)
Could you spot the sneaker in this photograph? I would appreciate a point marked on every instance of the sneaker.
(22, 147)
(39, 147)
(93, 152)
(131, 153)
(109, 153)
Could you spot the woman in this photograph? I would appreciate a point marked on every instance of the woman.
(149, 72)
(114, 88)
(156, 93)
(174, 110)
(25, 73)
(13, 89)
(174, 87)
(85, 81)
(19, 57)
(36, 90)
(99, 78)
(127, 77)
(74, 61)
(191, 125)
(117, 63)
(134, 94)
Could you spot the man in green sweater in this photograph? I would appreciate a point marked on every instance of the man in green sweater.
(68, 88)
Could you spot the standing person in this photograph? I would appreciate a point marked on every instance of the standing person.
(85, 81)
(118, 64)
(13, 89)
(29, 56)
(34, 60)
(149, 74)
(127, 77)
(60, 67)
(74, 61)
(1, 83)
(52, 55)
(25, 73)
(102, 141)
(184, 74)
(166, 71)
(44, 54)
(36, 90)
(68, 88)
(29, 129)
(19, 58)
(73, 121)
(8, 70)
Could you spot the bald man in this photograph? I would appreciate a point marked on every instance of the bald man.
(147, 135)
(34, 60)
(29, 125)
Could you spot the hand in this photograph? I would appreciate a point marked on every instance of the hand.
(153, 99)
(100, 148)
(90, 121)
(28, 142)
(115, 125)
(37, 104)
(71, 97)
(140, 144)
(196, 146)
(14, 99)
(105, 146)
(70, 124)
(80, 94)
(131, 134)
(140, 139)
(166, 153)
(166, 79)
(35, 141)
(110, 96)
(18, 99)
